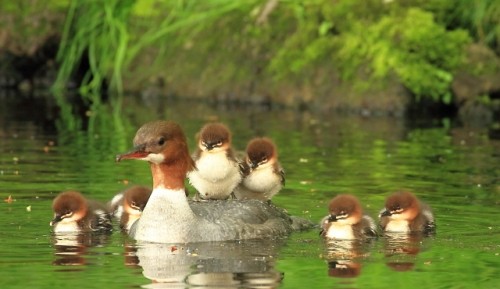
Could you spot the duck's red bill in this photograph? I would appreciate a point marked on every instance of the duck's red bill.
(132, 155)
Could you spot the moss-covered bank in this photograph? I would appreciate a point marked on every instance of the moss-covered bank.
(362, 56)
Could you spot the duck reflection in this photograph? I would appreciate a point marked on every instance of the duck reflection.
(232, 264)
(71, 249)
(345, 257)
(130, 254)
(401, 249)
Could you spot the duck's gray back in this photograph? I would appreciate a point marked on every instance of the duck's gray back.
(242, 219)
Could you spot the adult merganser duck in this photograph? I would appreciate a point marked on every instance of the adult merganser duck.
(263, 176)
(404, 213)
(128, 205)
(73, 213)
(346, 220)
(217, 172)
(170, 218)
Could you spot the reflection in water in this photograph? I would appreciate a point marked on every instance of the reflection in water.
(344, 269)
(345, 256)
(71, 249)
(401, 249)
(233, 264)
(130, 255)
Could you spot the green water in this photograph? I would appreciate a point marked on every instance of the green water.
(454, 169)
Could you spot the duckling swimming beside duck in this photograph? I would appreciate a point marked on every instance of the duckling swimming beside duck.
(128, 205)
(73, 213)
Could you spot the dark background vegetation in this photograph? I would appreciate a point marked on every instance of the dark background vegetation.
(356, 56)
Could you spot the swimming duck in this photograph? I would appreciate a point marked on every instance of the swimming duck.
(170, 218)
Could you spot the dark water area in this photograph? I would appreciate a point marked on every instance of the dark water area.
(452, 167)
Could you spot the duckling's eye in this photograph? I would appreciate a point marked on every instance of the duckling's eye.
(67, 214)
(161, 141)
(263, 160)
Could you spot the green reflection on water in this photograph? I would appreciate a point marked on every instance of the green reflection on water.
(451, 168)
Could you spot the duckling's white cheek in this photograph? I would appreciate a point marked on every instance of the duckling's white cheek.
(154, 158)
(264, 166)
(397, 217)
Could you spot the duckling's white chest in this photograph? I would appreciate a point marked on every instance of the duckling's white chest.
(215, 166)
(66, 227)
(397, 226)
(262, 180)
(340, 231)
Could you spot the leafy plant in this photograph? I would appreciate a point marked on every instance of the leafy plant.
(220, 43)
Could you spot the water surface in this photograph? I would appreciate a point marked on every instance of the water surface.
(452, 167)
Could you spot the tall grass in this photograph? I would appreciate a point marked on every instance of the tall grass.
(95, 31)
(352, 38)
(480, 17)
(110, 35)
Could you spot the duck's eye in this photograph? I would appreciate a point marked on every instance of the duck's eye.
(161, 141)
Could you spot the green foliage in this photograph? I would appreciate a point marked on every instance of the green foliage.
(220, 43)
(97, 30)
(420, 52)
(480, 17)
(111, 37)
(404, 42)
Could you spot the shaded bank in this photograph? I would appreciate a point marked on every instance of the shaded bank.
(381, 57)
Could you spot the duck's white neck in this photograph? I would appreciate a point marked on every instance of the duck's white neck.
(166, 218)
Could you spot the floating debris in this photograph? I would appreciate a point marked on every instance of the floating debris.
(9, 199)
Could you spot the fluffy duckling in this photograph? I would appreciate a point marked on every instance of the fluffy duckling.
(403, 212)
(217, 171)
(347, 220)
(128, 205)
(263, 176)
(73, 213)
